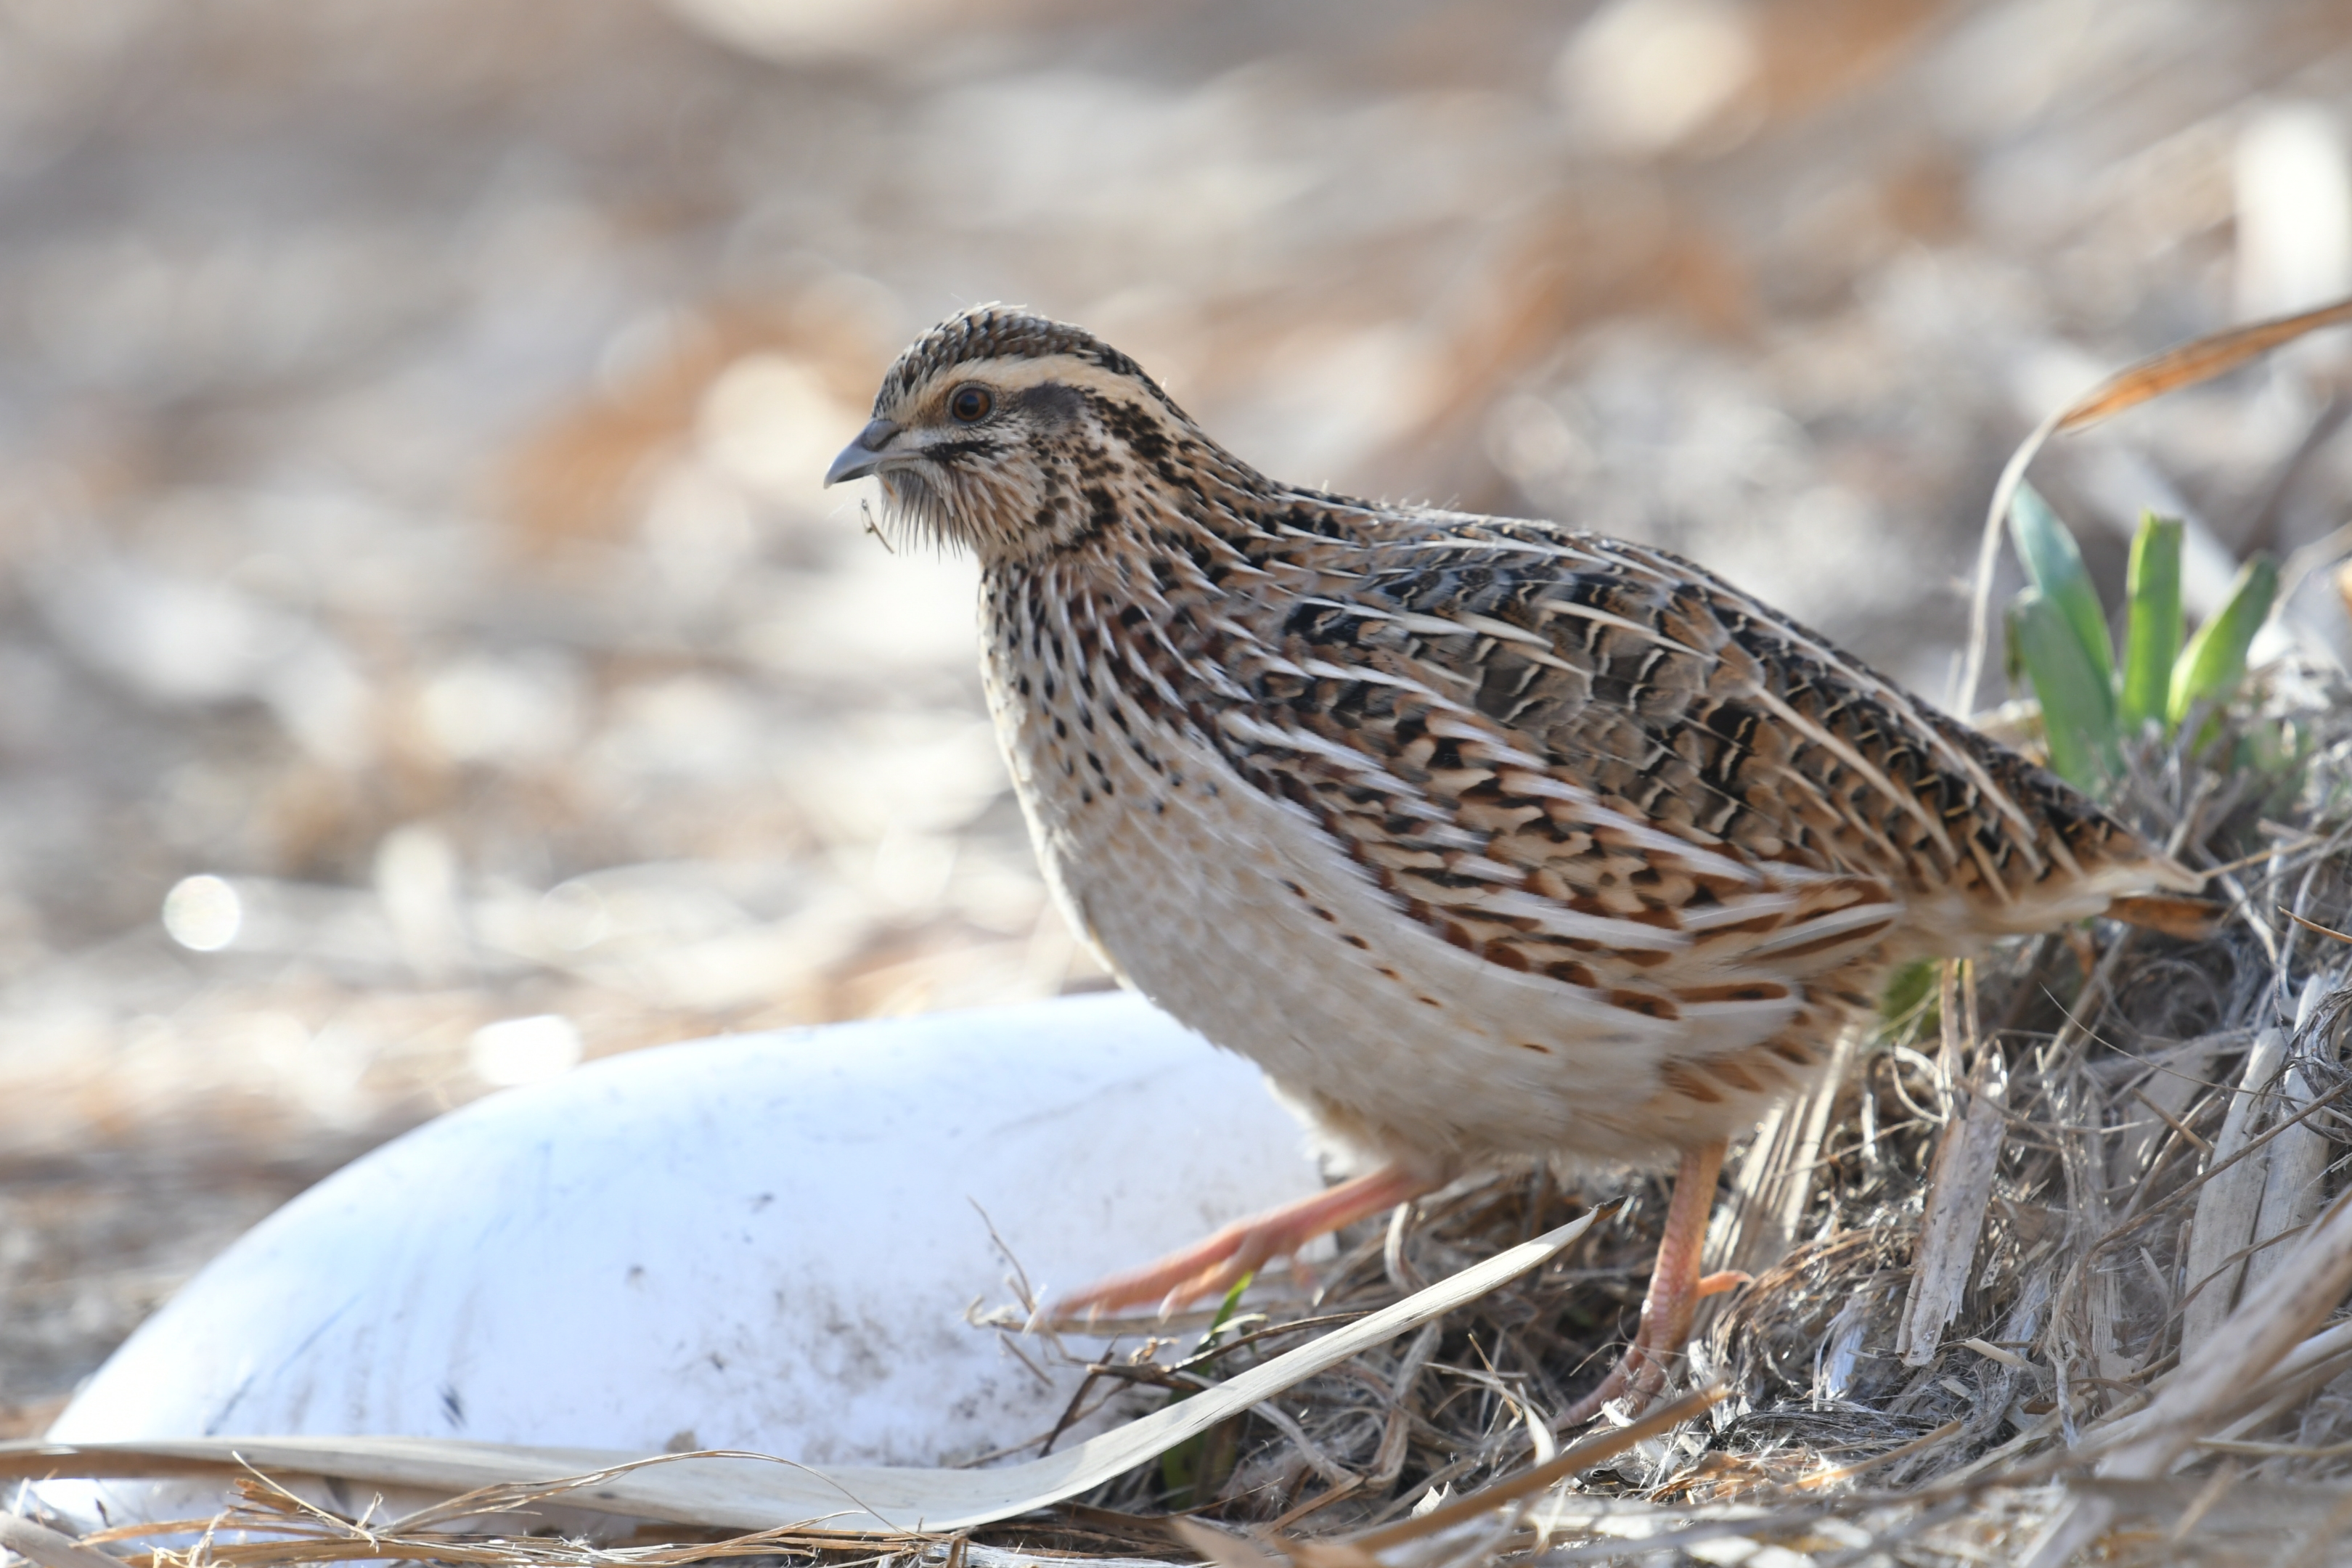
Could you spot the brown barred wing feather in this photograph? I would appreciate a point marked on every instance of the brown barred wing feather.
(1595, 762)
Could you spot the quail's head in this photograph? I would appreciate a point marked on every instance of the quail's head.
(1014, 435)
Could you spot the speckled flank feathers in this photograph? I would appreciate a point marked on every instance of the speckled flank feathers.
(1486, 837)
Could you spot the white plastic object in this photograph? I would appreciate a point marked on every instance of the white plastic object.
(764, 1242)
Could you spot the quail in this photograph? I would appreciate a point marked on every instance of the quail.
(1487, 840)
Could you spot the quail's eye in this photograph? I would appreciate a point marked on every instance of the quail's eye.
(970, 405)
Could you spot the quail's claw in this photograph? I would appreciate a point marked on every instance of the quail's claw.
(1675, 1290)
(1213, 1266)
(1726, 1280)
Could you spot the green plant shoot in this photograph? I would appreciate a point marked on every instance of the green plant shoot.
(1201, 1462)
(1910, 996)
(2078, 710)
(2051, 559)
(2210, 669)
(2153, 625)
(2059, 635)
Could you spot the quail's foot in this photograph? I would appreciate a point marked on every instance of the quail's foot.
(1212, 1267)
(1676, 1288)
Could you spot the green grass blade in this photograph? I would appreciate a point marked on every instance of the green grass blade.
(1200, 1463)
(2211, 666)
(2152, 628)
(2078, 713)
(2053, 561)
(1910, 994)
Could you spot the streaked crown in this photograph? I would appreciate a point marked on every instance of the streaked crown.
(1015, 435)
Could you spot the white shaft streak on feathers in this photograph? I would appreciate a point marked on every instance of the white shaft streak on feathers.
(1830, 922)
(1557, 920)
(1549, 608)
(1256, 732)
(1836, 744)
(1945, 754)
(1636, 833)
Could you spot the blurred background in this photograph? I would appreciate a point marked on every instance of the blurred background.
(426, 656)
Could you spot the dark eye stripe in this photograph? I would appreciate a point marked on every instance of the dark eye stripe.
(1050, 402)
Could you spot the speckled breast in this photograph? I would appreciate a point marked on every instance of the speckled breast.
(1239, 916)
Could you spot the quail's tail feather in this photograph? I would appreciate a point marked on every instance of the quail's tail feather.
(2171, 914)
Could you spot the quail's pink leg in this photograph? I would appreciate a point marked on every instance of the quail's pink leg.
(1211, 1267)
(1675, 1291)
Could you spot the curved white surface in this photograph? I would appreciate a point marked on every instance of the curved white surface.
(765, 1242)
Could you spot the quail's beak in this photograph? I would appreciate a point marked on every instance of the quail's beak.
(863, 456)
